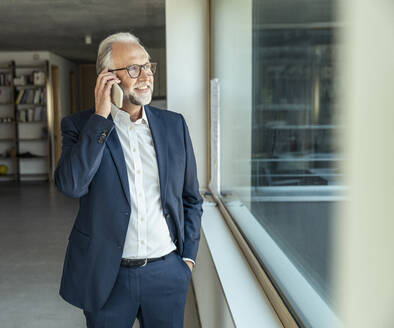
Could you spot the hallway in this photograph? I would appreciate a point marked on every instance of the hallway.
(35, 222)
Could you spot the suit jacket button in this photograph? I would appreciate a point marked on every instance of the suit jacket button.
(167, 215)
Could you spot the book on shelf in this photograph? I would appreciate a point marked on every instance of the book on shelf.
(38, 114)
(37, 96)
(31, 96)
(5, 79)
(34, 114)
(19, 96)
(34, 78)
(5, 95)
(20, 80)
(39, 78)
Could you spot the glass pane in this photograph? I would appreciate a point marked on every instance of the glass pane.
(280, 136)
(294, 117)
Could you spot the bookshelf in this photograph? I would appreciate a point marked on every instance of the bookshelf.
(24, 138)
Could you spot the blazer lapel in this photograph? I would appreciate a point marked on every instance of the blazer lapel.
(113, 144)
(159, 136)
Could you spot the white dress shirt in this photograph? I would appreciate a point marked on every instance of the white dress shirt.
(148, 234)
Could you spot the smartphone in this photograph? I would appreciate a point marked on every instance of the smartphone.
(117, 95)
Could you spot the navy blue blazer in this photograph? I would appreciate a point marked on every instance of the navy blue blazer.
(92, 168)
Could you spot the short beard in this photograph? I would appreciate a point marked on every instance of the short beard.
(131, 97)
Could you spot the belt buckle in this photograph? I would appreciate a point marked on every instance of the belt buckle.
(146, 261)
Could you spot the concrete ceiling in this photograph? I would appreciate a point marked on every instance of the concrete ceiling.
(60, 26)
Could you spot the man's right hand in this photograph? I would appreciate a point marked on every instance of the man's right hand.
(102, 92)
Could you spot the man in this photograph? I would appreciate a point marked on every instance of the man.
(134, 241)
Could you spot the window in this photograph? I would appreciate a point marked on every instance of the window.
(280, 159)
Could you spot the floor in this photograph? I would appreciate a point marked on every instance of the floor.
(35, 220)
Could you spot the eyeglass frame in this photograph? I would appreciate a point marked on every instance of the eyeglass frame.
(140, 69)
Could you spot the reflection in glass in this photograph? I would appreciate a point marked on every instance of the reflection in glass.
(293, 116)
(290, 182)
(294, 158)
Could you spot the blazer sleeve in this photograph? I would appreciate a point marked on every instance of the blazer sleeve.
(81, 155)
(192, 200)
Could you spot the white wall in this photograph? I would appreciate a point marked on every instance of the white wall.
(212, 305)
(365, 243)
(65, 66)
(231, 54)
(187, 72)
(187, 93)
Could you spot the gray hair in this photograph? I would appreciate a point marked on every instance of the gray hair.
(104, 55)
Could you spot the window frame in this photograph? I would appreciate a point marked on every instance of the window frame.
(286, 315)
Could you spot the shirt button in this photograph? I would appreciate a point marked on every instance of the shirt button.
(134, 149)
(138, 171)
(139, 194)
(142, 219)
(142, 242)
(131, 127)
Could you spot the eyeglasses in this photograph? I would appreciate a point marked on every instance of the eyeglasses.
(134, 70)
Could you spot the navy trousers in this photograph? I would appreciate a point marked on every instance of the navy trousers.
(155, 294)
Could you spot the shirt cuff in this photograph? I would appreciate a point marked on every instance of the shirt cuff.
(186, 258)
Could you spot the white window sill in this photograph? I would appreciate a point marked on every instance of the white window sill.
(245, 297)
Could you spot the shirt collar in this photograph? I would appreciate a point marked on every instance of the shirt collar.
(119, 115)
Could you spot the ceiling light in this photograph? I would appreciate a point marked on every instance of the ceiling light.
(88, 39)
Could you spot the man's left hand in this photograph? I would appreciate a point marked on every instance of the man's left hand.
(189, 264)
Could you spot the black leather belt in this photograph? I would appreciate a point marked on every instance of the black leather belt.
(141, 262)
